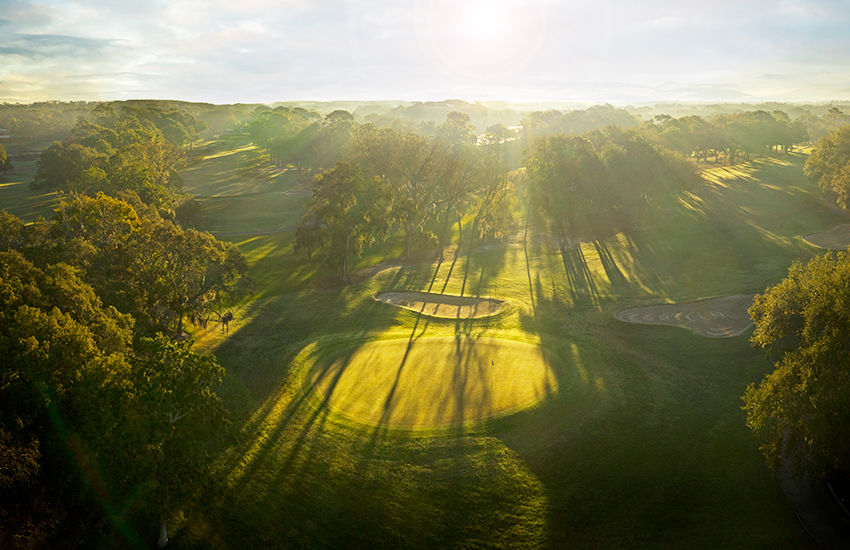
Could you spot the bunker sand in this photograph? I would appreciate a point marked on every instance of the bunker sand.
(718, 318)
(443, 305)
(837, 238)
(434, 382)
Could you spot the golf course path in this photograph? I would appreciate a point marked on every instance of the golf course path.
(837, 238)
(718, 318)
(445, 306)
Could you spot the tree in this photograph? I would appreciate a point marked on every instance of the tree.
(180, 414)
(146, 266)
(5, 162)
(350, 211)
(65, 397)
(567, 176)
(801, 411)
(413, 166)
(829, 165)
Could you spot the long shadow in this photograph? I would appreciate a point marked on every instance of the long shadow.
(609, 264)
(579, 276)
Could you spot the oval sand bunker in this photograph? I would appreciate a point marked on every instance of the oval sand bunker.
(443, 305)
(718, 318)
(434, 382)
(837, 238)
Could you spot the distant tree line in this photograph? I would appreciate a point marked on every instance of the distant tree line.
(138, 151)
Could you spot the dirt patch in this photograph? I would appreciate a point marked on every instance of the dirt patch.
(718, 318)
(837, 238)
(444, 306)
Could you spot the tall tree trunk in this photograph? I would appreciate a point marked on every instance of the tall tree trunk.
(163, 533)
(345, 279)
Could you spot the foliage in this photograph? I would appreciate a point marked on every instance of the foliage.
(829, 165)
(180, 414)
(589, 190)
(801, 411)
(138, 151)
(349, 210)
(5, 162)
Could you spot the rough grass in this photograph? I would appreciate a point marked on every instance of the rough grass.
(241, 191)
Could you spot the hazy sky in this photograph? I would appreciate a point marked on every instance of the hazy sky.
(278, 50)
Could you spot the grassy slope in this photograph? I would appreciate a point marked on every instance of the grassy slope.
(15, 195)
(644, 445)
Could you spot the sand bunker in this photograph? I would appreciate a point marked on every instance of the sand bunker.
(443, 305)
(837, 238)
(718, 318)
(434, 382)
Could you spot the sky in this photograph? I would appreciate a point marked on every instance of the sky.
(617, 51)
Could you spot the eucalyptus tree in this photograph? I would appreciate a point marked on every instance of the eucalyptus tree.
(800, 411)
(414, 167)
(566, 175)
(829, 165)
(348, 210)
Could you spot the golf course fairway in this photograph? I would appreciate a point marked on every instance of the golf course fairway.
(434, 382)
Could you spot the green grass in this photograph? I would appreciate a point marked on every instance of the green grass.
(241, 191)
(643, 445)
(17, 198)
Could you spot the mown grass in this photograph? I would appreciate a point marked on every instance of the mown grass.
(241, 190)
(644, 445)
(18, 199)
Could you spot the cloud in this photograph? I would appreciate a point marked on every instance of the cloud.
(38, 47)
(268, 50)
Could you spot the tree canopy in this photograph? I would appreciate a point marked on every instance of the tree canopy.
(829, 165)
(801, 411)
(347, 211)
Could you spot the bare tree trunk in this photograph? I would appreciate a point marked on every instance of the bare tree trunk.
(163, 534)
(345, 279)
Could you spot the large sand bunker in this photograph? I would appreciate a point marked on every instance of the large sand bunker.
(443, 305)
(837, 238)
(434, 382)
(718, 318)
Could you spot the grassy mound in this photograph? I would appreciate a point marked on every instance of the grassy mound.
(434, 382)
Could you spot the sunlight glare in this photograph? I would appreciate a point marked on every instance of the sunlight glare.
(479, 38)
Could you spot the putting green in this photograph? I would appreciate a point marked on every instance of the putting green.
(434, 382)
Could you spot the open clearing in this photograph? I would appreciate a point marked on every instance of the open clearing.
(435, 382)
(444, 306)
(718, 318)
(837, 238)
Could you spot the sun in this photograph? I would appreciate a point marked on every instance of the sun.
(483, 23)
(485, 38)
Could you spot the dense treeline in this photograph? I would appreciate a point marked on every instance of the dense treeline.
(105, 416)
(591, 172)
(139, 151)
